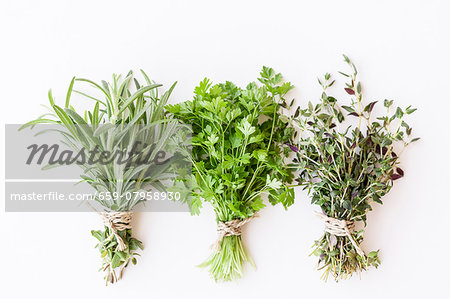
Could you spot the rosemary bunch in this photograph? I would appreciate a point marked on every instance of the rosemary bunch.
(238, 154)
(347, 166)
(130, 121)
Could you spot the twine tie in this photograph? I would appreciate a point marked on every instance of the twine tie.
(230, 228)
(340, 228)
(117, 221)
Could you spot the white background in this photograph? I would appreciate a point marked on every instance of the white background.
(402, 51)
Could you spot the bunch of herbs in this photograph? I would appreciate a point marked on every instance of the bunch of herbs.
(347, 165)
(238, 155)
(129, 118)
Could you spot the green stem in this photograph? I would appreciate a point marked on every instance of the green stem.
(228, 263)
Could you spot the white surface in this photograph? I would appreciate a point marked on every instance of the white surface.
(402, 51)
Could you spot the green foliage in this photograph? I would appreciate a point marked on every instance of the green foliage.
(346, 166)
(238, 154)
(130, 114)
(112, 257)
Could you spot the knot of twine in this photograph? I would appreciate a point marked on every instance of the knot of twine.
(117, 221)
(340, 228)
(230, 228)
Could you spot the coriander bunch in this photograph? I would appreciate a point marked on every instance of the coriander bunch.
(347, 165)
(238, 155)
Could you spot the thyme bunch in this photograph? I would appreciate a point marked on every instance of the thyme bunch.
(347, 165)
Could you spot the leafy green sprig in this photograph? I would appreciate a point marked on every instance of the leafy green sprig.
(116, 259)
(238, 154)
(129, 114)
(347, 167)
